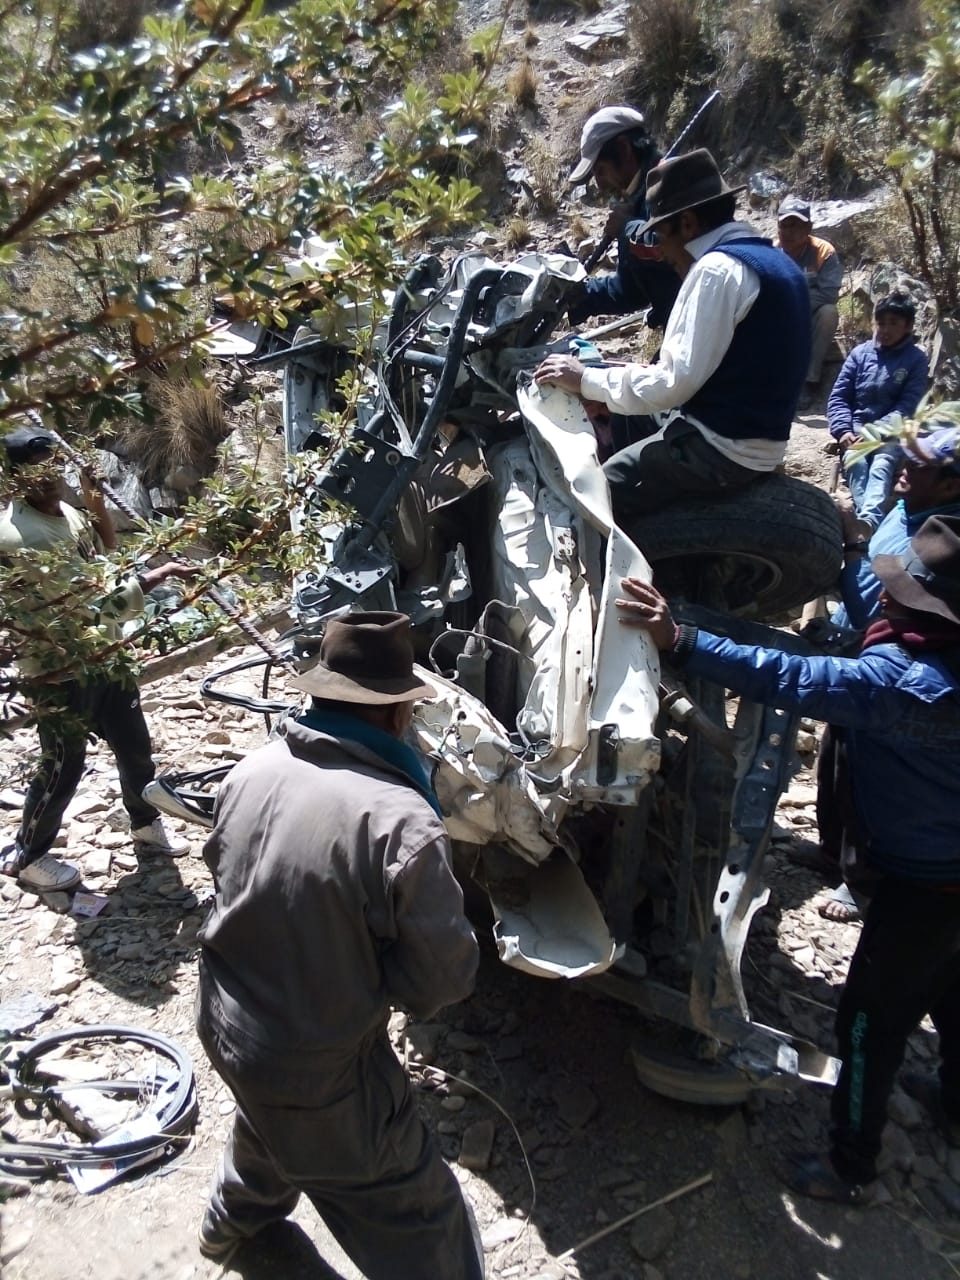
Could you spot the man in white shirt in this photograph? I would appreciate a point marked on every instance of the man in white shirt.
(715, 412)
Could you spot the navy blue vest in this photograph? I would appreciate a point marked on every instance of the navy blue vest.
(753, 393)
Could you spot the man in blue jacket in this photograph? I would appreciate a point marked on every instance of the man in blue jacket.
(884, 376)
(929, 484)
(617, 153)
(899, 702)
(715, 411)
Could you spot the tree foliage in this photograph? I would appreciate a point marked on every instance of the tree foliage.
(917, 114)
(113, 238)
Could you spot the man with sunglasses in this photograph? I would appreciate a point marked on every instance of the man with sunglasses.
(69, 709)
(715, 412)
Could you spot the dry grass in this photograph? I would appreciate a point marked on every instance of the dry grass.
(670, 44)
(111, 22)
(518, 233)
(544, 168)
(522, 85)
(186, 426)
(578, 229)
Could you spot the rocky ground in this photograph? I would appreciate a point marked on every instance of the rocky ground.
(528, 1085)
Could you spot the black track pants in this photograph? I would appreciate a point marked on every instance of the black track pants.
(112, 712)
(907, 964)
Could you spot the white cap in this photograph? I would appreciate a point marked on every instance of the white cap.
(603, 125)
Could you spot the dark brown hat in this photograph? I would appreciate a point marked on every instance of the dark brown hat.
(365, 657)
(682, 182)
(927, 576)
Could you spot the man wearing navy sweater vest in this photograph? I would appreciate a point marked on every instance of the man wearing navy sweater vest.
(715, 412)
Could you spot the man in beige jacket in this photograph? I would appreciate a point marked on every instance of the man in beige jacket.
(335, 899)
(81, 701)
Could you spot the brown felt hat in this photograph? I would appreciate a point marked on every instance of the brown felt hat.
(927, 576)
(368, 658)
(682, 182)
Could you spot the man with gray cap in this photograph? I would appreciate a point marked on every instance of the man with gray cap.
(335, 899)
(823, 271)
(714, 413)
(617, 152)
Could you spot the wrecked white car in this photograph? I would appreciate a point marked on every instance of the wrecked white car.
(616, 819)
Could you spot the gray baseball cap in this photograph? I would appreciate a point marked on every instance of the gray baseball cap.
(794, 207)
(603, 125)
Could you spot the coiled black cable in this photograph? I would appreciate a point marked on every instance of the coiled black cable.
(174, 1113)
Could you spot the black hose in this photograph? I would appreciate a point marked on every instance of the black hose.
(174, 1117)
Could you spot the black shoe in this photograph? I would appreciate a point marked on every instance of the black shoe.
(925, 1089)
(214, 1241)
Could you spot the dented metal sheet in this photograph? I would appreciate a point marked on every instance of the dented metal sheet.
(625, 668)
(548, 922)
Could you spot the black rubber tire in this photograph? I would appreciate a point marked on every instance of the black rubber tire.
(779, 542)
(686, 1079)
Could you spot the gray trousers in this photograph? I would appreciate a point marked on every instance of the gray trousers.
(666, 465)
(823, 325)
(359, 1152)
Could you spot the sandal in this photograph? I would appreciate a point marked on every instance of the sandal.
(814, 1175)
(840, 907)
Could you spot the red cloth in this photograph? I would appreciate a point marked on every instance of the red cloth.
(923, 632)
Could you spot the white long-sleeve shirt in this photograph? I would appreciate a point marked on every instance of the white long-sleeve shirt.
(716, 295)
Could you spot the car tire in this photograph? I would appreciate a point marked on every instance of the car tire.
(673, 1074)
(777, 543)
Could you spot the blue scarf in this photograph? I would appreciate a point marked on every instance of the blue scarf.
(392, 750)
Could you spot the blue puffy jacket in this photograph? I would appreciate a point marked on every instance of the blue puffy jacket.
(875, 381)
(901, 713)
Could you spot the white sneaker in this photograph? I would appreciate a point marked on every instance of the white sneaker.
(158, 839)
(49, 875)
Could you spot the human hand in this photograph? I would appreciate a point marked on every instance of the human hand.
(649, 610)
(848, 517)
(561, 371)
(90, 485)
(151, 578)
(847, 439)
(617, 218)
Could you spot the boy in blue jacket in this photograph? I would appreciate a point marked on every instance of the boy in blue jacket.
(881, 377)
(899, 703)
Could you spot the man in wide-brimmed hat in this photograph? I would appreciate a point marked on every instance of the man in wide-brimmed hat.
(617, 153)
(715, 412)
(335, 899)
(898, 704)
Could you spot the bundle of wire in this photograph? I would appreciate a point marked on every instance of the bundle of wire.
(169, 1113)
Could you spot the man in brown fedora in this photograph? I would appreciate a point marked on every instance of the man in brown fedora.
(335, 899)
(898, 705)
(715, 411)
